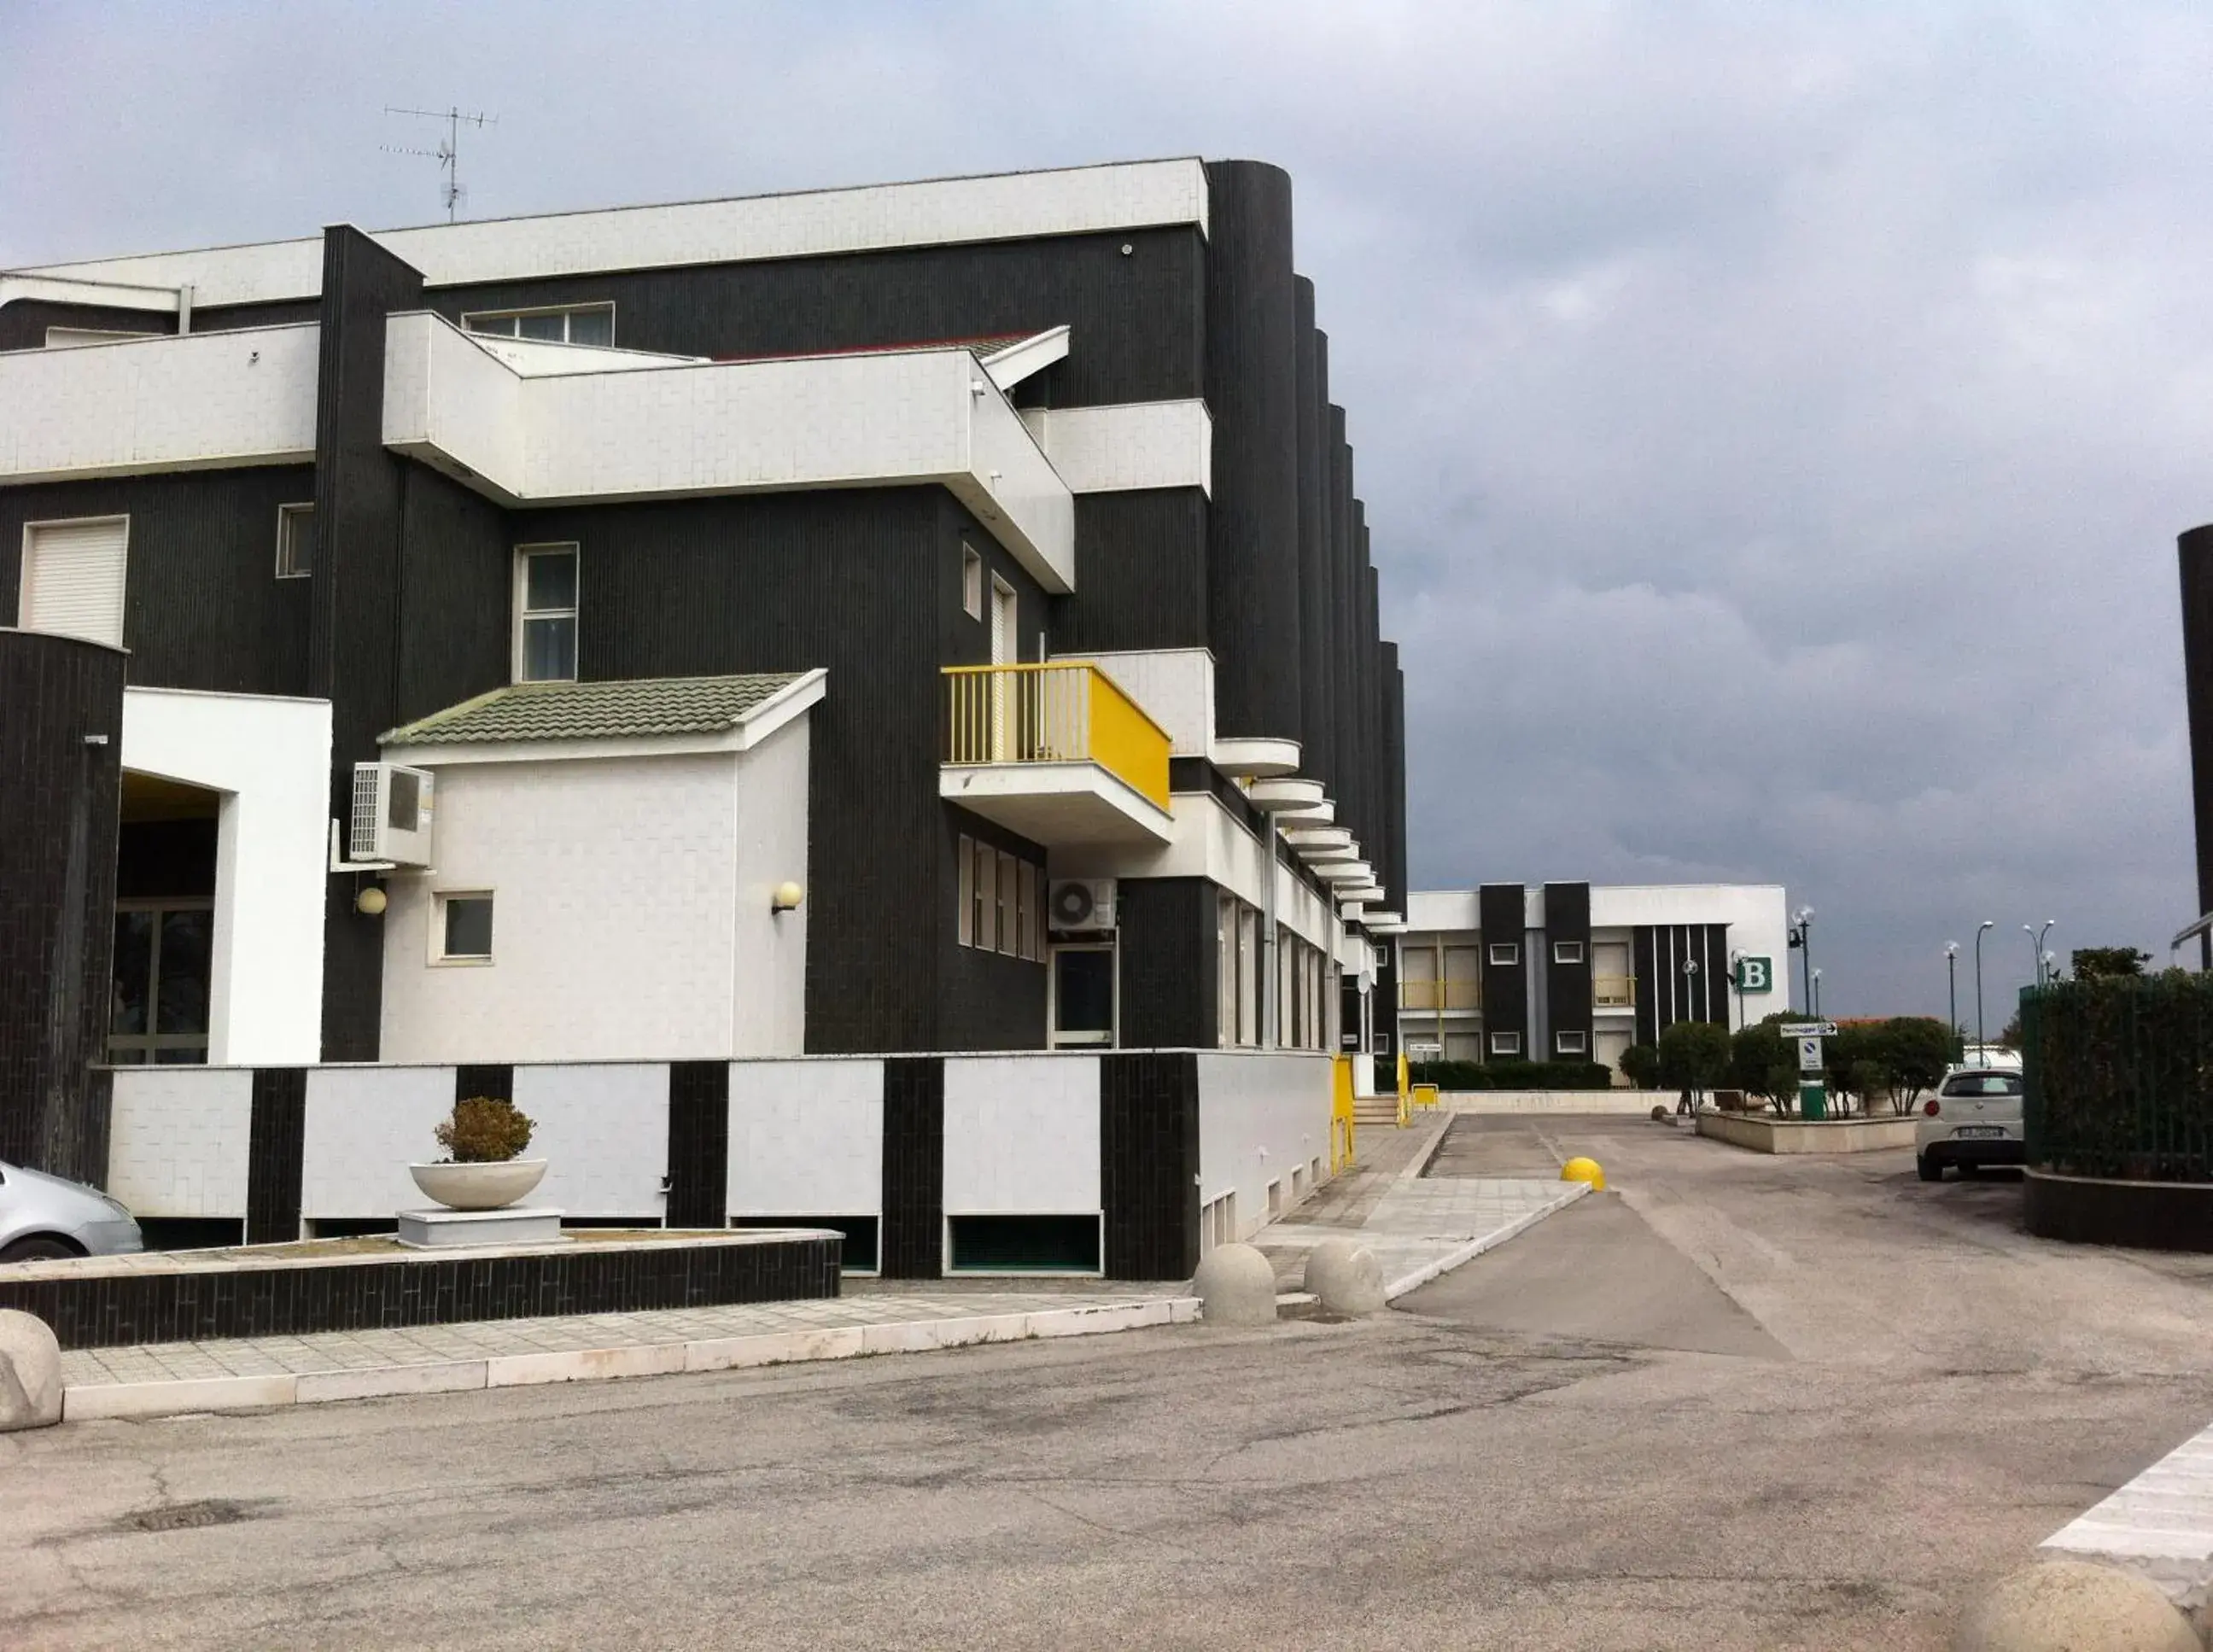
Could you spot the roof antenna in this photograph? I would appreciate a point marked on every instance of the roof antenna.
(449, 154)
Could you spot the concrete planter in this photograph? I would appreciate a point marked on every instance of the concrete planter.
(2152, 1216)
(478, 1186)
(1807, 1136)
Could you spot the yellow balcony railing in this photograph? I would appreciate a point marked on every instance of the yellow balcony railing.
(1432, 994)
(1069, 712)
(1614, 991)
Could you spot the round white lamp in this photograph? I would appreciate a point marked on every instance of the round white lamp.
(786, 896)
(370, 902)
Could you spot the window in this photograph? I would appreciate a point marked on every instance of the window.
(1506, 954)
(1571, 1044)
(577, 324)
(1506, 1043)
(158, 1007)
(1083, 994)
(1028, 909)
(1010, 905)
(465, 928)
(1567, 952)
(965, 866)
(1985, 1083)
(985, 898)
(72, 580)
(545, 613)
(971, 582)
(296, 541)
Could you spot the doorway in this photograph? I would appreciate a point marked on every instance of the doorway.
(164, 959)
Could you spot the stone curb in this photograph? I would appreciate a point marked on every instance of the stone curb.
(231, 1394)
(1440, 1265)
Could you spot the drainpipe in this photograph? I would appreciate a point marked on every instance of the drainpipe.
(184, 310)
(1272, 981)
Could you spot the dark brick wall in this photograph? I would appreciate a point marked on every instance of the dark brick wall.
(1148, 1163)
(698, 1143)
(1567, 986)
(57, 840)
(276, 1150)
(1169, 962)
(912, 1245)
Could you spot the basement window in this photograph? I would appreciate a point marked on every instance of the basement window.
(1506, 954)
(1571, 1044)
(1506, 1043)
(1567, 952)
(572, 324)
(1023, 1244)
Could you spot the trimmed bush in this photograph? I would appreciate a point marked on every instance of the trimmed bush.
(484, 1129)
(2119, 1076)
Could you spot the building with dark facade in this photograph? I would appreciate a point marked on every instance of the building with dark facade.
(937, 617)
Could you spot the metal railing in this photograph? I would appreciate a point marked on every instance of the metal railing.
(1069, 712)
(1614, 991)
(1430, 994)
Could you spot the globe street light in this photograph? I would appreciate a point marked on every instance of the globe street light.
(1801, 934)
(1952, 987)
(1982, 1044)
(1817, 995)
(2042, 956)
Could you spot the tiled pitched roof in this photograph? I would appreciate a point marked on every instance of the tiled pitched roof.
(597, 710)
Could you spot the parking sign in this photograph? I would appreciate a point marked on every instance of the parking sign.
(1809, 1055)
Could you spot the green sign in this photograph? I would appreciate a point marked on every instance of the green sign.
(1755, 975)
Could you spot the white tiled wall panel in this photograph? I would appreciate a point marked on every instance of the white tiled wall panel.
(177, 1141)
(603, 1130)
(1174, 685)
(1073, 201)
(205, 401)
(364, 1126)
(1022, 1135)
(807, 1138)
(1146, 444)
(614, 889)
(1260, 1116)
(823, 421)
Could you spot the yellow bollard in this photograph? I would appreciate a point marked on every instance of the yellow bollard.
(1581, 1169)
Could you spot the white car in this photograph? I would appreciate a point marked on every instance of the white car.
(1974, 1119)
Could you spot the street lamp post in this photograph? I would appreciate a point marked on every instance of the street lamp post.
(1802, 939)
(1952, 987)
(1982, 1044)
(1817, 995)
(1736, 980)
(2042, 958)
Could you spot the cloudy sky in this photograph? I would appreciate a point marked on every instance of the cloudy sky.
(1785, 412)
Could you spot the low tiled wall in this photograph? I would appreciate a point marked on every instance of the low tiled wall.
(903, 1143)
(107, 1303)
(1806, 1136)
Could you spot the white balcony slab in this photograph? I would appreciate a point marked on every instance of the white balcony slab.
(1057, 803)
(1129, 446)
(690, 428)
(1256, 757)
(137, 407)
(1287, 793)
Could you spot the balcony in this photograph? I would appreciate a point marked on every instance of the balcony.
(1055, 752)
(1440, 994)
(1614, 991)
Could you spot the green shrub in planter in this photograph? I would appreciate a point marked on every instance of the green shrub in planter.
(484, 1130)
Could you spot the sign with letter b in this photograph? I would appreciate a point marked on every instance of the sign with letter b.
(1755, 975)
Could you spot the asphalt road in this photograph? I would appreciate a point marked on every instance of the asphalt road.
(1738, 1402)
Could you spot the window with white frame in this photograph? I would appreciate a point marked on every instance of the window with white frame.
(296, 541)
(1506, 1043)
(1572, 1043)
(545, 613)
(971, 582)
(1567, 952)
(73, 577)
(1506, 954)
(569, 324)
(463, 930)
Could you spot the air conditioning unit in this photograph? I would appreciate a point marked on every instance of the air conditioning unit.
(391, 813)
(1080, 904)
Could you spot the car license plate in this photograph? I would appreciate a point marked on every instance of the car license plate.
(1980, 1132)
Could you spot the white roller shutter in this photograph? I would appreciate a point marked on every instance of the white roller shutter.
(73, 578)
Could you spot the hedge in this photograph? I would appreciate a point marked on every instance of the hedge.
(1512, 1075)
(2119, 1076)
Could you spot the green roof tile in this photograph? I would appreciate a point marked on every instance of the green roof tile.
(646, 706)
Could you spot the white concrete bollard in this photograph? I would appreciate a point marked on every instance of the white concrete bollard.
(1345, 1276)
(1236, 1285)
(2070, 1605)
(30, 1373)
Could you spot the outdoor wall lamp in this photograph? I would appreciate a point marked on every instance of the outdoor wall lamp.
(786, 898)
(371, 901)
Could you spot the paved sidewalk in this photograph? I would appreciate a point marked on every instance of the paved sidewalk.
(2160, 1524)
(168, 1378)
(1419, 1226)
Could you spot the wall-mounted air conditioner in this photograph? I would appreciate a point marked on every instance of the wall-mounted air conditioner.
(392, 813)
(1080, 904)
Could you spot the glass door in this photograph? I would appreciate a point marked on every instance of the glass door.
(1083, 1006)
(160, 1003)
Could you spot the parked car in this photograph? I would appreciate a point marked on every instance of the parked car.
(1974, 1119)
(43, 1216)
